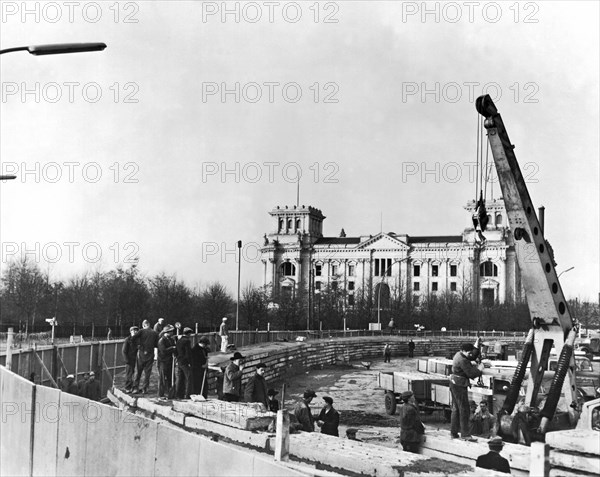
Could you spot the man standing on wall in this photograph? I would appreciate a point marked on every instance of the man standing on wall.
(166, 349)
(232, 384)
(129, 352)
(256, 388)
(224, 334)
(147, 340)
(462, 372)
(184, 364)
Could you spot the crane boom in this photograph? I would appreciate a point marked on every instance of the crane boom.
(551, 321)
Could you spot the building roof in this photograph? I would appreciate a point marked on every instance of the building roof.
(338, 241)
(436, 239)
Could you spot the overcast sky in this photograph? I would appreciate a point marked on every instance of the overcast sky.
(177, 140)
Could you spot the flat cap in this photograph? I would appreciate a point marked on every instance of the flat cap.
(168, 329)
(309, 393)
(187, 331)
(328, 400)
(406, 395)
(134, 328)
(496, 442)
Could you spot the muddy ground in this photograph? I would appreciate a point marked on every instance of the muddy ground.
(357, 398)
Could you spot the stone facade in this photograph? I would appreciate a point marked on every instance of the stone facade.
(298, 259)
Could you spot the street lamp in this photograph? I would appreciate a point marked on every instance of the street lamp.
(237, 308)
(57, 48)
(380, 287)
(565, 271)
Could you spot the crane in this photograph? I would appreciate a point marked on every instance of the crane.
(552, 326)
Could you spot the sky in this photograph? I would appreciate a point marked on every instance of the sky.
(177, 140)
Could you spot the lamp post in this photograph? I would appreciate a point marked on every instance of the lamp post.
(237, 308)
(565, 271)
(380, 287)
(57, 48)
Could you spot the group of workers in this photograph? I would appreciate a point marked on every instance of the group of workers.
(88, 386)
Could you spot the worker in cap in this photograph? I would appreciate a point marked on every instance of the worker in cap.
(129, 353)
(273, 403)
(493, 460)
(232, 381)
(462, 372)
(183, 380)
(200, 366)
(351, 434)
(329, 418)
(411, 427)
(303, 413)
(224, 334)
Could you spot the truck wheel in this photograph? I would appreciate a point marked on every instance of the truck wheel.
(390, 403)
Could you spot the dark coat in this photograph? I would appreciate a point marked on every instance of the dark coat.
(199, 358)
(166, 349)
(256, 390)
(232, 384)
(463, 370)
(147, 340)
(184, 351)
(494, 461)
(331, 421)
(93, 390)
(411, 427)
(273, 405)
(129, 350)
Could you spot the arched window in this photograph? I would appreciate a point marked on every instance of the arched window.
(280, 225)
(288, 269)
(488, 269)
(297, 224)
(289, 225)
(498, 220)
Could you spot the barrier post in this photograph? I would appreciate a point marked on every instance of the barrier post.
(282, 436)
(9, 345)
(540, 459)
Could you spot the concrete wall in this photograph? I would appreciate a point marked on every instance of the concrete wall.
(46, 432)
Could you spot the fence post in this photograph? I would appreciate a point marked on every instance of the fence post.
(9, 344)
(539, 459)
(282, 436)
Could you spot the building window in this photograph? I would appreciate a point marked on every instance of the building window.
(488, 269)
(288, 269)
(289, 225)
(417, 271)
(416, 286)
(487, 296)
(350, 285)
(351, 300)
(317, 286)
(453, 286)
(318, 269)
(334, 269)
(499, 220)
(334, 285)
(434, 286)
(383, 267)
(453, 270)
(297, 224)
(280, 225)
(434, 270)
(351, 270)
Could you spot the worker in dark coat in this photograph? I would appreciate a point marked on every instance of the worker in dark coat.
(166, 350)
(329, 418)
(493, 460)
(92, 389)
(303, 413)
(184, 364)
(147, 341)
(129, 352)
(232, 380)
(411, 349)
(411, 427)
(273, 403)
(200, 366)
(256, 387)
(69, 385)
(462, 372)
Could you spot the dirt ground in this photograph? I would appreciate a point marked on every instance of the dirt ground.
(355, 395)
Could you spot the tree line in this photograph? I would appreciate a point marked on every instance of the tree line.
(125, 296)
